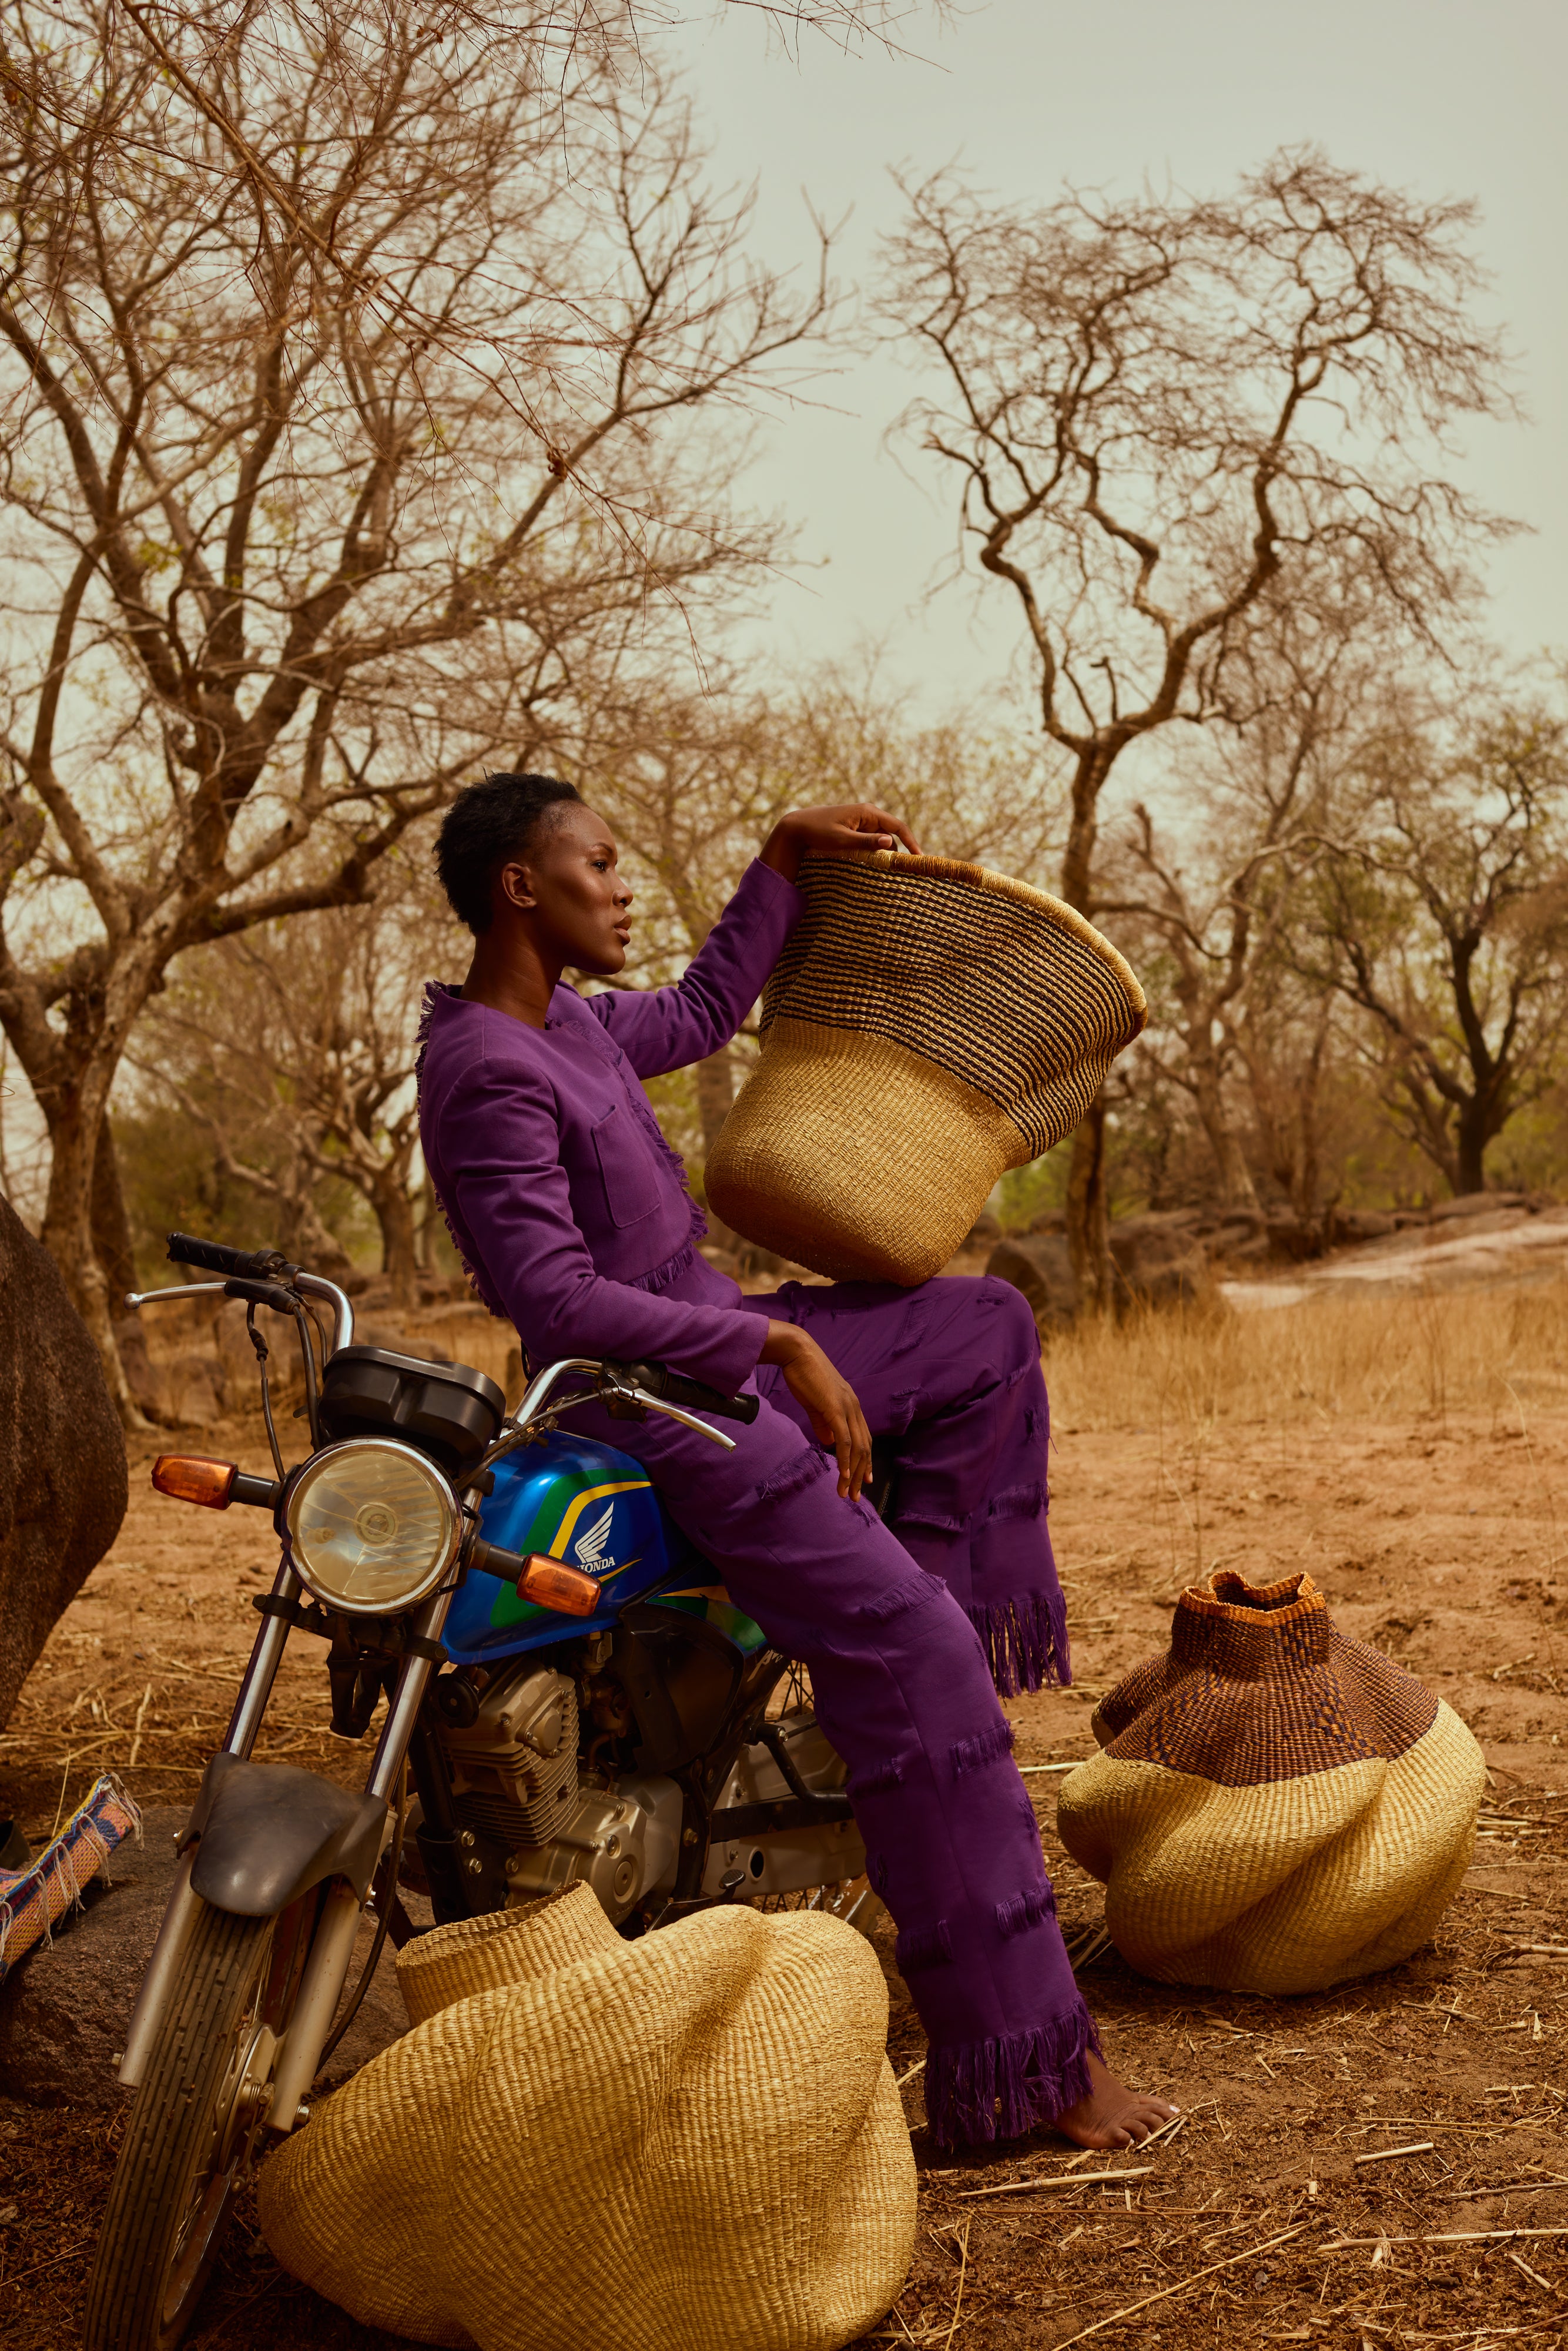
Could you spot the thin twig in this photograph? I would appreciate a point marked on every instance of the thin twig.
(963, 2273)
(1183, 2284)
(1061, 2180)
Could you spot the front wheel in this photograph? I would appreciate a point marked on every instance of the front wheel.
(189, 2140)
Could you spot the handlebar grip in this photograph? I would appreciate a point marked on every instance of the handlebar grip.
(547, 1583)
(217, 1257)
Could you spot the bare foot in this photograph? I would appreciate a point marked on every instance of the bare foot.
(1112, 2114)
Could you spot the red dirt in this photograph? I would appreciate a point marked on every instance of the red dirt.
(1443, 1546)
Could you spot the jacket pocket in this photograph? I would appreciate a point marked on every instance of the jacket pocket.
(625, 1168)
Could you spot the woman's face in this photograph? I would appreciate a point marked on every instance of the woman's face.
(570, 886)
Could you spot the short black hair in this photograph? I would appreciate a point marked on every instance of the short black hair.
(486, 825)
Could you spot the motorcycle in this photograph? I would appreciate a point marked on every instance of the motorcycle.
(567, 1686)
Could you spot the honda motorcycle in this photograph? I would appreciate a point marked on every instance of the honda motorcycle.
(571, 1696)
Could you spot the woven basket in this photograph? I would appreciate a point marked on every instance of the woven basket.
(929, 1025)
(1276, 1809)
(691, 2142)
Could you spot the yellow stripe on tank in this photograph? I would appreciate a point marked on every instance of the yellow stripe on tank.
(568, 1527)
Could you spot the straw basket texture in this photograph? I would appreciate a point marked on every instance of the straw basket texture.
(929, 1026)
(691, 2142)
(1276, 1809)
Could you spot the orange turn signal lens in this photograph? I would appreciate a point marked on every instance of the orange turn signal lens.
(550, 1584)
(191, 1478)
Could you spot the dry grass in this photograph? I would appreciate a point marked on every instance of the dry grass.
(1421, 1355)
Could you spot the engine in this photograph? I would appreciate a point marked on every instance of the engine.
(517, 1785)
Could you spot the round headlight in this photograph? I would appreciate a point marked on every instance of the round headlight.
(373, 1525)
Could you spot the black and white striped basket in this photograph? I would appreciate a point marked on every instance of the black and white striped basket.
(929, 1025)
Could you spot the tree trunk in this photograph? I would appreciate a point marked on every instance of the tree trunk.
(715, 1093)
(1088, 1203)
(1472, 1139)
(394, 1214)
(111, 1224)
(1089, 1215)
(68, 1234)
(1237, 1189)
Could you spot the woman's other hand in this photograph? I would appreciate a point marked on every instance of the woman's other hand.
(858, 831)
(832, 1404)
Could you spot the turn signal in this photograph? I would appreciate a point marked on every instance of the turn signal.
(550, 1584)
(192, 1477)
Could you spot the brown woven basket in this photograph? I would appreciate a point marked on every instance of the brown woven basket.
(690, 2142)
(1276, 1809)
(929, 1026)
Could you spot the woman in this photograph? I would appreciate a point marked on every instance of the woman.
(573, 1217)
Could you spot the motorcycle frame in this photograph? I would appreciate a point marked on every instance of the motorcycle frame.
(330, 1951)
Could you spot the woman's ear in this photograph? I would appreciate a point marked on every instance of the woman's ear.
(517, 886)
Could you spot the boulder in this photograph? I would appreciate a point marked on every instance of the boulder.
(1159, 1261)
(1475, 1203)
(62, 1456)
(1040, 1265)
(63, 2009)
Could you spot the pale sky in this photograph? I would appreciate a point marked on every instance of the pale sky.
(1446, 98)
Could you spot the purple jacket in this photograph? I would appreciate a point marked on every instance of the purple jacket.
(567, 1206)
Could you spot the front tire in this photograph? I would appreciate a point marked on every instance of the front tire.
(188, 2143)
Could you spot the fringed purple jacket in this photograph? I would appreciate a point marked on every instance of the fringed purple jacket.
(570, 1211)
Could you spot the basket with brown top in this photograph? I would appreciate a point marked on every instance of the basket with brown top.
(1275, 1808)
(929, 1025)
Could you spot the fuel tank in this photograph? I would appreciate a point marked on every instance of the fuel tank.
(597, 1510)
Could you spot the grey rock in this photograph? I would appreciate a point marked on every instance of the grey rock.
(1475, 1203)
(1159, 1261)
(1040, 1265)
(62, 1456)
(64, 2008)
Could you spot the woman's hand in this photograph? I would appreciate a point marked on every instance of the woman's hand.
(857, 830)
(832, 1404)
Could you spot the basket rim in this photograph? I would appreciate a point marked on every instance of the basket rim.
(1023, 893)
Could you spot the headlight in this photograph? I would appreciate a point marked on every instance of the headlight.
(373, 1525)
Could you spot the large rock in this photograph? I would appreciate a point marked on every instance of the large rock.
(1159, 1260)
(1040, 1266)
(64, 2007)
(62, 1457)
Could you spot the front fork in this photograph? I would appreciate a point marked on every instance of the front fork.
(331, 1947)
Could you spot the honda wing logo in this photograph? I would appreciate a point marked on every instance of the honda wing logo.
(590, 1547)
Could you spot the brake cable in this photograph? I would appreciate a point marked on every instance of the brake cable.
(259, 1344)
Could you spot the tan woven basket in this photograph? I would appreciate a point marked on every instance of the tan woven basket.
(1276, 1809)
(929, 1026)
(691, 2142)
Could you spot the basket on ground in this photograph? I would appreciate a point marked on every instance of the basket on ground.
(1275, 1809)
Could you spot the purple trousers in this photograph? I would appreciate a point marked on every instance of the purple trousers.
(907, 1630)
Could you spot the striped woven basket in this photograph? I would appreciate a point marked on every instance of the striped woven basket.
(929, 1026)
(1275, 1809)
(691, 2142)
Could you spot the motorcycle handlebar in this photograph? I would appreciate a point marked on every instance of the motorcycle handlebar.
(674, 1387)
(217, 1257)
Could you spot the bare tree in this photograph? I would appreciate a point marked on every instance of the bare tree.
(1159, 411)
(292, 1045)
(1448, 927)
(1306, 682)
(281, 572)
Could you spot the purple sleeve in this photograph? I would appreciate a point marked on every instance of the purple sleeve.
(661, 1028)
(512, 1194)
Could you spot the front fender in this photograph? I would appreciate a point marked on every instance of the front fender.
(266, 1833)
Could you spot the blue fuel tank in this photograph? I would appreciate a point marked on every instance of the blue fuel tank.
(597, 1511)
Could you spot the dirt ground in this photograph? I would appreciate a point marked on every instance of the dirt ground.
(1261, 2220)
